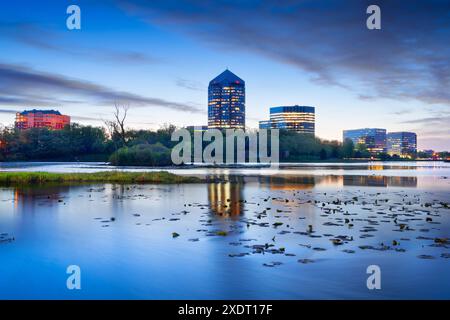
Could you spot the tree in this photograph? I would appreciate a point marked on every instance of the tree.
(117, 127)
(348, 148)
(323, 154)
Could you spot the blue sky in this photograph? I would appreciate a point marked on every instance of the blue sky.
(158, 56)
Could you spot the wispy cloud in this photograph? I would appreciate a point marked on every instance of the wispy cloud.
(8, 111)
(190, 84)
(42, 38)
(25, 86)
(407, 59)
(443, 120)
(433, 132)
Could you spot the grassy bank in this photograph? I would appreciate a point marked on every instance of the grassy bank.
(108, 176)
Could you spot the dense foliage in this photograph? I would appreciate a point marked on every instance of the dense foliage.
(142, 154)
(147, 147)
(300, 147)
(74, 142)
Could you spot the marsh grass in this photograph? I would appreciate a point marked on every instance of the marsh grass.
(107, 176)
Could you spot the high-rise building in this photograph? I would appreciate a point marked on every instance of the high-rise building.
(373, 138)
(41, 119)
(402, 144)
(226, 102)
(293, 118)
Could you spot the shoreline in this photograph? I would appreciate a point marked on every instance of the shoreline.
(160, 177)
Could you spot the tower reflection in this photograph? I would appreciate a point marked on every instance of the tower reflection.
(226, 198)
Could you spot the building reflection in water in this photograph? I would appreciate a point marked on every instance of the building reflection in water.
(287, 183)
(380, 181)
(402, 182)
(226, 198)
(375, 167)
(27, 198)
(299, 182)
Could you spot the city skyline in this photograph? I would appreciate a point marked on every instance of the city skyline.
(159, 61)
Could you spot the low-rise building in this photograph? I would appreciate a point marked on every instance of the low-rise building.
(50, 119)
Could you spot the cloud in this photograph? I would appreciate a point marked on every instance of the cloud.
(190, 85)
(25, 86)
(42, 38)
(444, 120)
(433, 132)
(408, 59)
(8, 111)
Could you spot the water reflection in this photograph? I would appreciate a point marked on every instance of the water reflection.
(287, 183)
(27, 198)
(226, 198)
(54, 226)
(380, 181)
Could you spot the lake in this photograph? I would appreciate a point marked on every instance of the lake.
(301, 231)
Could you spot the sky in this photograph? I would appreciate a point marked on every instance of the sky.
(158, 57)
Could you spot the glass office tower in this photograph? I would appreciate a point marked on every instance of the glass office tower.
(226, 102)
(402, 144)
(293, 118)
(373, 138)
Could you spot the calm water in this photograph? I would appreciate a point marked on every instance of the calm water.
(363, 207)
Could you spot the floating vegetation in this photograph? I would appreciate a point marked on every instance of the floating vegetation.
(277, 224)
(426, 256)
(272, 264)
(6, 238)
(305, 261)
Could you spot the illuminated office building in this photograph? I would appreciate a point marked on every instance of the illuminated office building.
(293, 118)
(50, 119)
(373, 138)
(402, 144)
(226, 102)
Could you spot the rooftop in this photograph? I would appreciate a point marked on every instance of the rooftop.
(40, 111)
(227, 77)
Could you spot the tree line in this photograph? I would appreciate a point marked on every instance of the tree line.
(121, 146)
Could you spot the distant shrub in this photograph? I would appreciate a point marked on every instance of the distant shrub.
(142, 155)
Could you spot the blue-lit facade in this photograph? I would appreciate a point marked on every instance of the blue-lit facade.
(293, 118)
(373, 138)
(226, 102)
(402, 144)
(264, 124)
